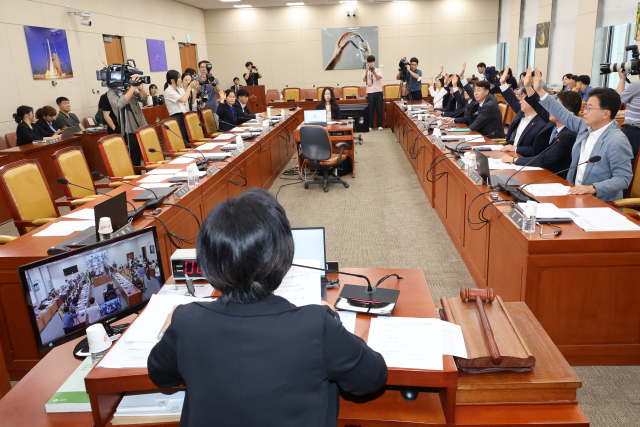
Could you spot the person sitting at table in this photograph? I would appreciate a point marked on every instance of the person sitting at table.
(46, 122)
(92, 311)
(466, 104)
(67, 320)
(242, 98)
(328, 102)
(137, 282)
(310, 354)
(27, 132)
(229, 115)
(65, 117)
(437, 92)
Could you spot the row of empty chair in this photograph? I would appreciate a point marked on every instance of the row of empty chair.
(299, 94)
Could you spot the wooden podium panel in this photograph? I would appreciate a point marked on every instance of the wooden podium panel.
(259, 104)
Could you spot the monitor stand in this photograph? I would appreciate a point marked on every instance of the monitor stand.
(81, 350)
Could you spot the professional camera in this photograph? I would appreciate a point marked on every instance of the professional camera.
(209, 79)
(631, 67)
(118, 76)
(403, 68)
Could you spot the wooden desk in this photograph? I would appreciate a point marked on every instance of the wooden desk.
(261, 163)
(347, 136)
(579, 285)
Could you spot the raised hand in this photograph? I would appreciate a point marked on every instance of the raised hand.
(464, 67)
(526, 81)
(441, 70)
(503, 77)
(454, 79)
(537, 80)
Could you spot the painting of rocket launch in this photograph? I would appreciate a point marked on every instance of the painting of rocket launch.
(49, 53)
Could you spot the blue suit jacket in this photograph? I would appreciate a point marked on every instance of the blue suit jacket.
(612, 174)
(526, 144)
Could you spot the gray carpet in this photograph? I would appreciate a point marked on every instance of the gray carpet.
(384, 220)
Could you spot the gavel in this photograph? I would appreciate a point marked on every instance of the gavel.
(487, 295)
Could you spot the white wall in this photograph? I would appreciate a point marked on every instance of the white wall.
(134, 20)
(285, 43)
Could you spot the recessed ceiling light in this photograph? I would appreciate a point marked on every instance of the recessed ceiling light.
(242, 5)
(225, 1)
(296, 4)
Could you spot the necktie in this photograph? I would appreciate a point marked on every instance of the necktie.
(553, 135)
(233, 113)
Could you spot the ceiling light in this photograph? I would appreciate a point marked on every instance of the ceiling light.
(225, 1)
(242, 6)
(296, 4)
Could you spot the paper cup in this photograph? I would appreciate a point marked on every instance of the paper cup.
(104, 225)
(97, 338)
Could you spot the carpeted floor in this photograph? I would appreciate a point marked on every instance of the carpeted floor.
(384, 220)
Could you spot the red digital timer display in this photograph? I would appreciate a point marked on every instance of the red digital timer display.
(187, 266)
(191, 268)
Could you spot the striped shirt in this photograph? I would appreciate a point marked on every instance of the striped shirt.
(631, 97)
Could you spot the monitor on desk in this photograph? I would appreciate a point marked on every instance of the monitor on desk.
(119, 274)
(315, 117)
(309, 244)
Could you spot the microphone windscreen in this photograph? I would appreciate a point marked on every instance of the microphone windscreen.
(63, 181)
(151, 150)
(595, 159)
(96, 174)
(166, 127)
(201, 124)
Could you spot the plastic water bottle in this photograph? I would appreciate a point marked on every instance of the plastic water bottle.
(436, 137)
(472, 163)
(467, 162)
(196, 174)
(191, 177)
(265, 126)
(268, 112)
(239, 143)
(529, 221)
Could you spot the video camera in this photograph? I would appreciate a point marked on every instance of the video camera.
(631, 67)
(118, 76)
(403, 68)
(209, 79)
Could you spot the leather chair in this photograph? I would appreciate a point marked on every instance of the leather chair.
(195, 131)
(425, 90)
(3, 145)
(72, 165)
(28, 195)
(319, 92)
(391, 91)
(350, 91)
(148, 138)
(173, 137)
(362, 91)
(6, 239)
(210, 121)
(633, 195)
(116, 158)
(316, 150)
(11, 139)
(271, 97)
(337, 92)
(291, 93)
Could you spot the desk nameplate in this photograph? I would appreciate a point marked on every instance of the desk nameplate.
(516, 217)
(212, 170)
(477, 179)
(460, 163)
(182, 191)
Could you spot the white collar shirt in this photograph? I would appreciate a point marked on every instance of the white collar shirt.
(586, 149)
(524, 122)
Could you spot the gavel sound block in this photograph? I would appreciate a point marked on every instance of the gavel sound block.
(491, 336)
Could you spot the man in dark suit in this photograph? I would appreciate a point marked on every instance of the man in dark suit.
(241, 103)
(236, 85)
(487, 118)
(526, 124)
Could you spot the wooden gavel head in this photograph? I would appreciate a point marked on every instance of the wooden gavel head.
(485, 295)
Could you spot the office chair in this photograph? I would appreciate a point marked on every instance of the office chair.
(148, 138)
(28, 195)
(194, 130)
(72, 165)
(631, 203)
(210, 122)
(116, 158)
(173, 136)
(315, 148)
(291, 93)
(3, 145)
(11, 139)
(350, 91)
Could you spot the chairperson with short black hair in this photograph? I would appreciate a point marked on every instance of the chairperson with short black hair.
(285, 363)
(229, 115)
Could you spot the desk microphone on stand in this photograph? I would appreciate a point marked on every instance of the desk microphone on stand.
(149, 204)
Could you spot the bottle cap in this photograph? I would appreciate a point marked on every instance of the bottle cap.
(467, 154)
(238, 140)
(104, 226)
(436, 132)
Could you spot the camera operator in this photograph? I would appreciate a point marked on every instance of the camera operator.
(373, 78)
(252, 75)
(126, 106)
(211, 88)
(631, 97)
(414, 80)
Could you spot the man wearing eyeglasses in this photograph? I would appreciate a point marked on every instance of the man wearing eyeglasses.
(598, 135)
(414, 80)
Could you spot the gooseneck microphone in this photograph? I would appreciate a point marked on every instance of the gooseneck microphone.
(149, 204)
(200, 163)
(166, 153)
(594, 159)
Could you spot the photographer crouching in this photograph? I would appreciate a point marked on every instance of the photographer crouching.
(127, 109)
(409, 73)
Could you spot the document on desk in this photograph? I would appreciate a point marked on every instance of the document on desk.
(163, 171)
(144, 404)
(184, 174)
(547, 211)
(64, 228)
(181, 160)
(601, 219)
(86, 214)
(301, 286)
(201, 291)
(348, 319)
(497, 164)
(548, 190)
(211, 146)
(154, 178)
(223, 136)
(407, 342)
(133, 348)
(142, 187)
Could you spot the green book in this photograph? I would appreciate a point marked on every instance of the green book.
(459, 130)
(72, 395)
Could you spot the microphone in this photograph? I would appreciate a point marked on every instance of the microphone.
(200, 163)
(132, 215)
(363, 298)
(594, 159)
(149, 204)
(153, 150)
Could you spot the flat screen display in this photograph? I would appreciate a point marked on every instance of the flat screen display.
(309, 243)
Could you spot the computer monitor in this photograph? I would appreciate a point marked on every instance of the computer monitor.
(114, 279)
(309, 243)
(315, 117)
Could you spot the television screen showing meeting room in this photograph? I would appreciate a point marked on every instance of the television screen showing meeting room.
(108, 280)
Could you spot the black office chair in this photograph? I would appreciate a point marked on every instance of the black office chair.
(315, 148)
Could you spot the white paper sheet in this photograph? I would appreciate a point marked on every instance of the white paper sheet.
(201, 291)
(223, 136)
(546, 190)
(348, 319)
(184, 174)
(138, 404)
(409, 343)
(154, 178)
(301, 286)
(152, 185)
(64, 228)
(548, 211)
(497, 164)
(210, 146)
(452, 340)
(163, 171)
(601, 219)
(81, 214)
(181, 160)
(209, 155)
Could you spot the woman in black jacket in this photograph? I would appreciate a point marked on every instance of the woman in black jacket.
(252, 358)
(229, 115)
(328, 102)
(26, 131)
(46, 123)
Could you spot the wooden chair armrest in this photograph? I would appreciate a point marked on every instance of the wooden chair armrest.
(78, 202)
(150, 166)
(63, 203)
(162, 162)
(499, 140)
(631, 202)
(185, 150)
(6, 239)
(130, 177)
(40, 221)
(113, 184)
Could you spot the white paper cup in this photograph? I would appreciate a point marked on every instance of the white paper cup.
(97, 338)
(104, 226)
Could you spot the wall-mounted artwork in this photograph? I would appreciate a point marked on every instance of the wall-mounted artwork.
(638, 24)
(157, 55)
(49, 53)
(347, 48)
(542, 35)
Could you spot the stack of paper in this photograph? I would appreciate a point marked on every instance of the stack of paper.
(223, 136)
(497, 164)
(348, 319)
(547, 190)
(64, 228)
(412, 343)
(301, 286)
(86, 214)
(601, 219)
(155, 178)
(140, 404)
(72, 395)
(142, 187)
(201, 291)
(210, 146)
(181, 160)
(163, 171)
(547, 211)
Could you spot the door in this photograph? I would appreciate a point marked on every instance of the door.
(113, 49)
(188, 56)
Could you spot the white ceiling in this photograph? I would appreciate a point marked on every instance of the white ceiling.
(217, 4)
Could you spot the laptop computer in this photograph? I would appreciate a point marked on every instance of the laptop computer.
(115, 208)
(161, 192)
(315, 117)
(482, 164)
(69, 132)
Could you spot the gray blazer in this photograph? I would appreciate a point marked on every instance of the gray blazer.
(612, 174)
